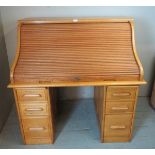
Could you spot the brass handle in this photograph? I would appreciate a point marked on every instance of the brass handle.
(37, 129)
(115, 127)
(121, 94)
(32, 95)
(34, 109)
(119, 108)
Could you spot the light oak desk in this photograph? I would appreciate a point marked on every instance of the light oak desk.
(76, 52)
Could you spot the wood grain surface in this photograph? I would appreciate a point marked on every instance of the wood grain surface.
(76, 52)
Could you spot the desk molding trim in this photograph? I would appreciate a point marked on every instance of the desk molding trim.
(73, 84)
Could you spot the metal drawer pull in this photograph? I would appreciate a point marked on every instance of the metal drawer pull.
(115, 127)
(32, 95)
(119, 108)
(121, 94)
(34, 109)
(37, 129)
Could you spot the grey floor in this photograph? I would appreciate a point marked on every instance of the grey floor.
(77, 128)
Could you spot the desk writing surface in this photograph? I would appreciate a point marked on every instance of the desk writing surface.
(76, 52)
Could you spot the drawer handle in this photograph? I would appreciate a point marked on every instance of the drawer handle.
(34, 109)
(119, 108)
(121, 94)
(115, 127)
(32, 95)
(37, 129)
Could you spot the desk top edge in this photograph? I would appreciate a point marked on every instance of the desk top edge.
(73, 84)
(44, 20)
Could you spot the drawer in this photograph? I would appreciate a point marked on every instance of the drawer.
(121, 93)
(36, 127)
(117, 125)
(33, 109)
(119, 106)
(32, 94)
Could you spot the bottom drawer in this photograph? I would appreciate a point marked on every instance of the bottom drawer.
(117, 125)
(37, 128)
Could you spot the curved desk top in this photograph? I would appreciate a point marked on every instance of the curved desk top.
(73, 52)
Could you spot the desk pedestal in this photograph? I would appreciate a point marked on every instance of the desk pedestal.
(115, 108)
(35, 108)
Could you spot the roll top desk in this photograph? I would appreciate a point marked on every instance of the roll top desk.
(76, 52)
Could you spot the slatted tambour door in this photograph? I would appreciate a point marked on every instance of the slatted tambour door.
(62, 52)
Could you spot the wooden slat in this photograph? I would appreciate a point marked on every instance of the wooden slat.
(76, 52)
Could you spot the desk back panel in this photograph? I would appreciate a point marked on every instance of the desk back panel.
(76, 52)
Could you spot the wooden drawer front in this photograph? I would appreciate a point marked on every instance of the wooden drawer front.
(117, 125)
(32, 94)
(121, 93)
(33, 109)
(36, 127)
(119, 106)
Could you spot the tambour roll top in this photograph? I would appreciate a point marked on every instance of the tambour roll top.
(78, 50)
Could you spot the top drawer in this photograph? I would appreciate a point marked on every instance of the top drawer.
(31, 94)
(121, 92)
